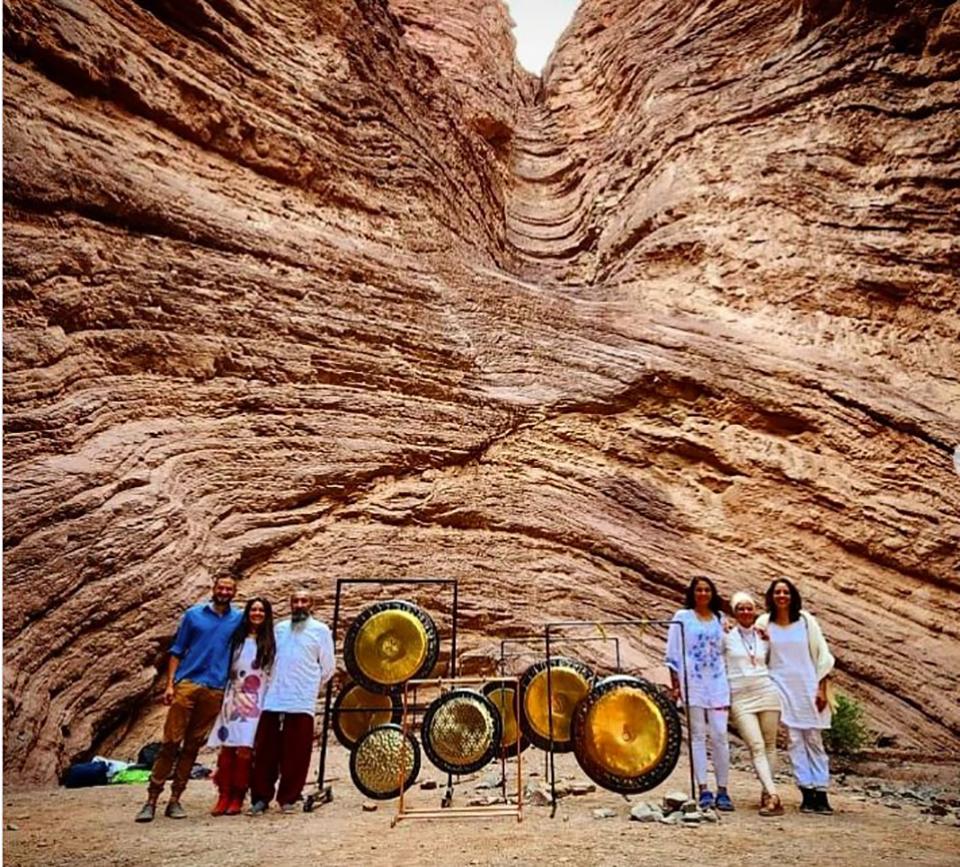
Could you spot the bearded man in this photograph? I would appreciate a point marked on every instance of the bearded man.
(304, 662)
(196, 675)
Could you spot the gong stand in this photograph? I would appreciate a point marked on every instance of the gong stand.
(324, 793)
(642, 623)
(538, 638)
(447, 811)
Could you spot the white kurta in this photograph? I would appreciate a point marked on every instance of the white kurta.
(706, 672)
(304, 662)
(795, 676)
(236, 726)
(751, 688)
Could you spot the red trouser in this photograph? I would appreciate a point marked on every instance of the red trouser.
(283, 746)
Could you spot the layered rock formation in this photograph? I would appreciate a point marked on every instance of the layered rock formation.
(301, 294)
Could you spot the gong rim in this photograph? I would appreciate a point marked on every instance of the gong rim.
(361, 640)
(644, 698)
(510, 747)
(342, 718)
(459, 701)
(538, 733)
(368, 750)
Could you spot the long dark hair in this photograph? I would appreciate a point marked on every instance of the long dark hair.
(266, 643)
(716, 603)
(795, 602)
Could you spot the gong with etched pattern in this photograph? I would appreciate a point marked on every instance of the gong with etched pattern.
(626, 734)
(389, 643)
(461, 731)
(570, 682)
(503, 694)
(383, 761)
(356, 710)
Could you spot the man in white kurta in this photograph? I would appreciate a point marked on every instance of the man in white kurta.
(304, 662)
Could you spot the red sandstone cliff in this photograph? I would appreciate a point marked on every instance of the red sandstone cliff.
(287, 296)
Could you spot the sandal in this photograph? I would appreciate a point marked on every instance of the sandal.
(773, 807)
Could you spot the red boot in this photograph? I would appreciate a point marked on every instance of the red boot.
(223, 778)
(240, 780)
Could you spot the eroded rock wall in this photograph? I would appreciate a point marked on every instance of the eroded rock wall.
(285, 296)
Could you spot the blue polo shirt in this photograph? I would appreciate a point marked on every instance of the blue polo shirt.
(203, 645)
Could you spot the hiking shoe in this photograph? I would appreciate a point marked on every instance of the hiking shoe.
(706, 800)
(287, 809)
(724, 804)
(147, 812)
(175, 811)
(257, 808)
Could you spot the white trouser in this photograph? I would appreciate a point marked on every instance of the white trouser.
(704, 721)
(759, 731)
(811, 767)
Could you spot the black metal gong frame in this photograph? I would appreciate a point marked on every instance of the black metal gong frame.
(559, 625)
(324, 793)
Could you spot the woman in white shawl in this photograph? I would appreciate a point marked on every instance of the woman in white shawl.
(800, 665)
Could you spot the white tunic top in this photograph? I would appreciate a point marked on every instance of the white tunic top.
(236, 726)
(795, 676)
(706, 672)
(751, 688)
(304, 663)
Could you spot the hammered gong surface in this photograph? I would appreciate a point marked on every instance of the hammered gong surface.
(389, 643)
(503, 694)
(626, 735)
(381, 758)
(461, 731)
(570, 682)
(349, 724)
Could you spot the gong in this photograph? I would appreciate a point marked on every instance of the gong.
(461, 731)
(389, 643)
(503, 694)
(381, 759)
(350, 723)
(626, 735)
(570, 681)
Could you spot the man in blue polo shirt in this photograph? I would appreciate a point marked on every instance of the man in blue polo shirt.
(196, 675)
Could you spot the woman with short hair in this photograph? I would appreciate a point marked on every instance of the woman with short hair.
(800, 664)
(252, 652)
(754, 700)
(699, 676)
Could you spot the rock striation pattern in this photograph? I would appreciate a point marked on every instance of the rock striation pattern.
(303, 291)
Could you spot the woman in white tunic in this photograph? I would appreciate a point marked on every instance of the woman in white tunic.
(699, 677)
(800, 664)
(754, 700)
(252, 652)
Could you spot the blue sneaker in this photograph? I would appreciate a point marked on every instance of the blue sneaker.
(724, 804)
(706, 800)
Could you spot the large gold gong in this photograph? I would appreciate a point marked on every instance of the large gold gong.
(383, 761)
(357, 710)
(570, 682)
(389, 643)
(626, 734)
(461, 731)
(503, 694)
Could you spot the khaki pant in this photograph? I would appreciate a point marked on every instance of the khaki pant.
(759, 731)
(189, 720)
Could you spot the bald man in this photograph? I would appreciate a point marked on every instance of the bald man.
(284, 742)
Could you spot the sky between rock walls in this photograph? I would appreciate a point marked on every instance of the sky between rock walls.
(539, 24)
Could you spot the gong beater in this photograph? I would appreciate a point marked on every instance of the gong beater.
(461, 731)
(389, 643)
(503, 694)
(570, 681)
(381, 759)
(350, 724)
(626, 735)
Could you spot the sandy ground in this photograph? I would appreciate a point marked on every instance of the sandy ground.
(91, 827)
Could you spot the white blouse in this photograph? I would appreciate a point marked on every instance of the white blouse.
(703, 660)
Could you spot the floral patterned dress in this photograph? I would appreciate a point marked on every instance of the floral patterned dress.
(703, 660)
(236, 726)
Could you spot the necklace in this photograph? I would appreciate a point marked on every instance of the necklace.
(751, 648)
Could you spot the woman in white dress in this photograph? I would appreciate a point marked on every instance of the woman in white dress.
(706, 691)
(252, 652)
(754, 700)
(800, 664)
